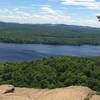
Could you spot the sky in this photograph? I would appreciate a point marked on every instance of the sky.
(70, 12)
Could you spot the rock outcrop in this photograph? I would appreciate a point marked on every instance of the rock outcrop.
(6, 89)
(8, 92)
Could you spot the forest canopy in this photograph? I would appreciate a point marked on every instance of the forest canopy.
(53, 72)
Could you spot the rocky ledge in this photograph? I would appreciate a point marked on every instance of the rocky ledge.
(9, 92)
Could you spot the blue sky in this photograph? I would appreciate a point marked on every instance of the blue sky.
(73, 12)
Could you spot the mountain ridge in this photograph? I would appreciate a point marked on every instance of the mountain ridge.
(46, 24)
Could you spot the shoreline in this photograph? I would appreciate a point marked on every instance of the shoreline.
(51, 44)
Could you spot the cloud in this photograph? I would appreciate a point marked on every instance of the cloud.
(16, 9)
(50, 19)
(90, 4)
(46, 14)
(47, 10)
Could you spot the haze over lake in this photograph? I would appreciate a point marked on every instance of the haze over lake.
(22, 52)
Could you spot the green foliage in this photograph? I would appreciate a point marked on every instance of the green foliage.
(53, 72)
(49, 34)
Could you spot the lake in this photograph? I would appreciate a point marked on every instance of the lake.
(21, 52)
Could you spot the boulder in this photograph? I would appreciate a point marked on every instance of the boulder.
(95, 97)
(6, 89)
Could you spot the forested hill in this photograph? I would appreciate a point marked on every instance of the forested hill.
(49, 34)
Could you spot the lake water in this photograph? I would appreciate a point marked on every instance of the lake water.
(21, 52)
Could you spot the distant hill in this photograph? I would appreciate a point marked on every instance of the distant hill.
(63, 26)
(49, 34)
